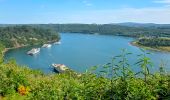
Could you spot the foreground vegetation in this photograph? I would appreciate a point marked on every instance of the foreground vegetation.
(18, 36)
(115, 82)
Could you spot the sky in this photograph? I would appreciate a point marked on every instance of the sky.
(84, 11)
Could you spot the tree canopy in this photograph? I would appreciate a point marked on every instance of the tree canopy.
(15, 36)
(110, 29)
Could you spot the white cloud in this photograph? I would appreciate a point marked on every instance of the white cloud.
(162, 1)
(166, 2)
(144, 15)
(87, 3)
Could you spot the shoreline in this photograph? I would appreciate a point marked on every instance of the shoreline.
(160, 49)
(7, 49)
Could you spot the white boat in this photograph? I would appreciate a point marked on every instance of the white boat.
(46, 46)
(60, 67)
(57, 43)
(33, 51)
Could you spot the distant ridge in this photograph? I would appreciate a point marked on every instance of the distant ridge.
(133, 24)
(129, 24)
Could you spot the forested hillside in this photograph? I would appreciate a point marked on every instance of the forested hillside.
(31, 34)
(110, 29)
(154, 42)
(16, 36)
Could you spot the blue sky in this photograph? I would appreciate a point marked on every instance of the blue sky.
(84, 11)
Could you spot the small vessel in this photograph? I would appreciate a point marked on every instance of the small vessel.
(57, 42)
(46, 46)
(60, 67)
(96, 33)
(33, 51)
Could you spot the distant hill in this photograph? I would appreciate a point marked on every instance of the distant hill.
(131, 24)
(121, 29)
(6, 25)
(110, 29)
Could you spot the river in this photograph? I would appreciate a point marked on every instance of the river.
(82, 51)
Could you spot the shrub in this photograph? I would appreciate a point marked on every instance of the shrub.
(116, 82)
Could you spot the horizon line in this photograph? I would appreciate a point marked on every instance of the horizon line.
(84, 23)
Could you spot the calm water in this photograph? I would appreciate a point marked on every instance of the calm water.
(80, 51)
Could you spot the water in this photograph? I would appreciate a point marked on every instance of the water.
(81, 51)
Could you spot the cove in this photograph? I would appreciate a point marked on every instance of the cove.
(82, 51)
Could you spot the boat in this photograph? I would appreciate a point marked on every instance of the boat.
(33, 51)
(60, 67)
(46, 46)
(96, 33)
(57, 43)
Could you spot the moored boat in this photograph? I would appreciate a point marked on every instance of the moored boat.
(46, 46)
(57, 43)
(60, 67)
(33, 51)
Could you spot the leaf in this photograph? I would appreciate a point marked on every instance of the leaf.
(128, 53)
(118, 56)
(138, 62)
(139, 55)
(148, 53)
(103, 72)
(106, 66)
(93, 68)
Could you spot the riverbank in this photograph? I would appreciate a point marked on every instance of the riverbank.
(160, 48)
(7, 49)
(20, 46)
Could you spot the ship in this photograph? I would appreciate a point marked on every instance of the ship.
(57, 43)
(46, 46)
(33, 51)
(61, 68)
